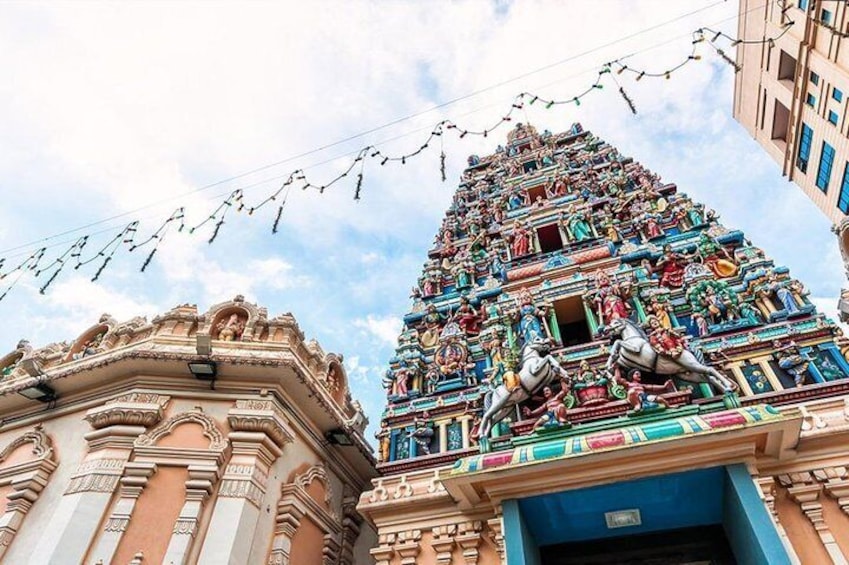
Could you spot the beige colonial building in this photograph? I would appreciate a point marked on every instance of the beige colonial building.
(216, 437)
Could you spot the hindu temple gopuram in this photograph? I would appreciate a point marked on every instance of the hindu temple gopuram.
(195, 437)
(596, 370)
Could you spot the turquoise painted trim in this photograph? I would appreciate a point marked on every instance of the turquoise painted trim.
(520, 546)
(812, 368)
(747, 523)
(831, 347)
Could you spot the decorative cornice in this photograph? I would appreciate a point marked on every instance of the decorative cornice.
(260, 416)
(135, 409)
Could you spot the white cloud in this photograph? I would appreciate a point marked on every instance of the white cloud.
(385, 329)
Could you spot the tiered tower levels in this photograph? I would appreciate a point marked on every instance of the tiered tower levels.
(560, 236)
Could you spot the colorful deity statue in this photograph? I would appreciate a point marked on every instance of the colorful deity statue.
(431, 281)
(433, 324)
(665, 341)
(643, 396)
(610, 299)
(695, 213)
(552, 411)
(651, 225)
(422, 433)
(783, 291)
(520, 240)
(661, 310)
(531, 319)
(715, 257)
(467, 317)
(671, 267)
(719, 305)
(793, 360)
(577, 225)
(590, 387)
(610, 226)
(464, 272)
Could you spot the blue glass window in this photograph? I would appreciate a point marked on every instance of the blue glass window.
(837, 94)
(803, 5)
(804, 148)
(843, 199)
(825, 16)
(824, 172)
(832, 117)
(811, 100)
(815, 78)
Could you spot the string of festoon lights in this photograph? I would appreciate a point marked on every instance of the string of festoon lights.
(44, 264)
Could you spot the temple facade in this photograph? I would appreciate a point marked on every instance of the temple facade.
(594, 369)
(197, 437)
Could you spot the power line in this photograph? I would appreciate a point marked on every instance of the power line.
(369, 131)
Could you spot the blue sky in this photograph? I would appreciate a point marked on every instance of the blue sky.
(106, 108)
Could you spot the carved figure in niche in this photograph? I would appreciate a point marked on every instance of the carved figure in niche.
(639, 396)
(611, 229)
(553, 409)
(402, 377)
(610, 299)
(664, 341)
(422, 433)
(701, 324)
(560, 188)
(520, 240)
(91, 346)
(661, 310)
(474, 431)
(467, 317)
(433, 323)
(494, 346)
(577, 225)
(333, 379)
(431, 282)
(784, 292)
(651, 226)
(793, 360)
(695, 214)
(715, 257)
(749, 312)
(531, 319)
(230, 329)
(671, 266)
(720, 307)
(497, 269)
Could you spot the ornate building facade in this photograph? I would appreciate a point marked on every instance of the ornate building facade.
(216, 437)
(595, 369)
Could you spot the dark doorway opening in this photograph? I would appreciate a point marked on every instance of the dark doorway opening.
(572, 321)
(549, 238)
(705, 545)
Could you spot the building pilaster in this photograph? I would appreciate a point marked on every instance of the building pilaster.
(496, 533)
(469, 538)
(805, 492)
(135, 479)
(257, 438)
(443, 543)
(767, 488)
(74, 523)
(202, 479)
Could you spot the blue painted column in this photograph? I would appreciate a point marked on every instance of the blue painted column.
(747, 524)
(520, 546)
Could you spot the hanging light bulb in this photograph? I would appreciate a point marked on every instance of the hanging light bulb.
(668, 75)
(577, 101)
(621, 69)
(639, 76)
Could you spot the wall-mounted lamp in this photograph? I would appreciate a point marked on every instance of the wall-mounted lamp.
(338, 437)
(42, 392)
(203, 370)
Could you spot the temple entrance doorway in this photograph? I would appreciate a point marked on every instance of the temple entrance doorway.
(712, 516)
(691, 546)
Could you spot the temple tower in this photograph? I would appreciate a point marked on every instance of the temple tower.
(580, 335)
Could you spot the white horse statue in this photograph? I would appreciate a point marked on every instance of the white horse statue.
(538, 369)
(632, 350)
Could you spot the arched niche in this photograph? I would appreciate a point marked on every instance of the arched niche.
(8, 362)
(91, 342)
(230, 324)
(336, 380)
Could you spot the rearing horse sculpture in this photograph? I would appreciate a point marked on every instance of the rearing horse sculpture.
(632, 350)
(538, 369)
